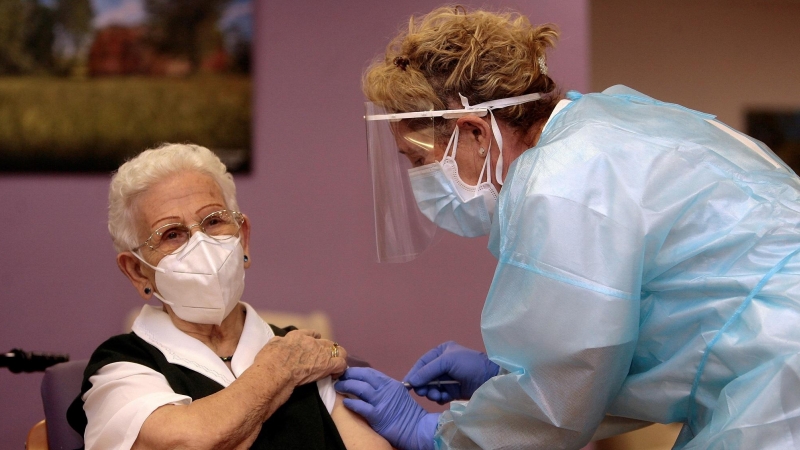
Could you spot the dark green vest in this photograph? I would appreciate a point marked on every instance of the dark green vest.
(302, 422)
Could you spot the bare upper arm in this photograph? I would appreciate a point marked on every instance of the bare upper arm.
(355, 431)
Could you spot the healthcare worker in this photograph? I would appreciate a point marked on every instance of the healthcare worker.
(647, 253)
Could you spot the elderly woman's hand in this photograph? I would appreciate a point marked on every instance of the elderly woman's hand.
(307, 357)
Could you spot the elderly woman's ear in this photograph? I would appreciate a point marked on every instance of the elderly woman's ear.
(245, 234)
(139, 274)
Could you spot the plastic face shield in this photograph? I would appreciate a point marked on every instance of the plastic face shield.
(397, 143)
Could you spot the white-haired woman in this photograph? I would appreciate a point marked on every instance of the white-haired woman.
(201, 369)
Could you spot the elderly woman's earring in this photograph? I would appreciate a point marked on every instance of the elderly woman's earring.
(482, 151)
(147, 290)
(246, 258)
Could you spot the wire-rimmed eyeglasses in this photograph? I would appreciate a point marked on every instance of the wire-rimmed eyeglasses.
(170, 238)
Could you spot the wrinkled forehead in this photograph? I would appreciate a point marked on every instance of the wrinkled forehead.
(187, 196)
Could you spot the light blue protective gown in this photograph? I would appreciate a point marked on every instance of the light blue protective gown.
(648, 270)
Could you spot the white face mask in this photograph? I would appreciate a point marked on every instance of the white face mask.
(204, 281)
(449, 202)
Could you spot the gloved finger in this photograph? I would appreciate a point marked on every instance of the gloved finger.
(433, 370)
(355, 373)
(453, 390)
(368, 375)
(435, 395)
(429, 356)
(359, 388)
(450, 393)
(361, 408)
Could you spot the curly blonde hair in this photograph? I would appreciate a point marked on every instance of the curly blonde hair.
(148, 168)
(480, 55)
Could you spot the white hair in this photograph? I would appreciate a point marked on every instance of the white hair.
(148, 168)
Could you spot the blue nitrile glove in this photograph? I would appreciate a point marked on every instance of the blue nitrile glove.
(388, 407)
(451, 361)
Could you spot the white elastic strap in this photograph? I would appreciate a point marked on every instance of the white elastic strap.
(487, 163)
(157, 269)
(163, 299)
(452, 144)
(496, 104)
(501, 102)
(148, 264)
(487, 167)
(479, 109)
(499, 137)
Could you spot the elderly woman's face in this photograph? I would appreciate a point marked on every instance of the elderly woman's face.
(186, 197)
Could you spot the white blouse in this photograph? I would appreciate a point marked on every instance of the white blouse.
(124, 394)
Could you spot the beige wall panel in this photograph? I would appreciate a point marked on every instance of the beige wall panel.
(717, 56)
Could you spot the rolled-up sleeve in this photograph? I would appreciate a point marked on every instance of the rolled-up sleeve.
(122, 396)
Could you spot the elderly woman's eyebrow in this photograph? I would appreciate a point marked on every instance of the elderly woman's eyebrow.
(178, 219)
(209, 205)
(174, 218)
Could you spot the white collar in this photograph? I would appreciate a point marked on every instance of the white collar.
(156, 328)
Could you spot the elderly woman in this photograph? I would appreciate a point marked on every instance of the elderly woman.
(201, 369)
(647, 254)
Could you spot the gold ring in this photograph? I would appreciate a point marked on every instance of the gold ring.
(335, 350)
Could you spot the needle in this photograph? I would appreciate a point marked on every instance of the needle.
(433, 383)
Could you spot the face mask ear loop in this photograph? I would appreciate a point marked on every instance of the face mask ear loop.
(499, 138)
(487, 168)
(452, 144)
(157, 269)
(500, 103)
(163, 299)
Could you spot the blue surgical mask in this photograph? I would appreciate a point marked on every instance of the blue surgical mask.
(449, 202)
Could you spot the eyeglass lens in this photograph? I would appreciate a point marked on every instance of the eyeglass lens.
(219, 225)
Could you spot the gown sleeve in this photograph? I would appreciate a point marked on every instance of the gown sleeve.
(562, 314)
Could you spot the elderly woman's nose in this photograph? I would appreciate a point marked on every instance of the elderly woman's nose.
(194, 228)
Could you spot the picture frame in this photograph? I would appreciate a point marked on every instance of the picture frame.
(87, 84)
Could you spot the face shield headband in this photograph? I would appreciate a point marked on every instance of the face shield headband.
(402, 232)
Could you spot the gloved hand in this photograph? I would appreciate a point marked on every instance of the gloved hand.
(388, 407)
(450, 361)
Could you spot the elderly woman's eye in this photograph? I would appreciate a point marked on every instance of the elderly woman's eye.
(172, 234)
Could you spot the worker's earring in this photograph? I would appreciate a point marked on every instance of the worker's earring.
(482, 151)
(246, 258)
(147, 290)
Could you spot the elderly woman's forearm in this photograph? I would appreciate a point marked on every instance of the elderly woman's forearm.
(229, 419)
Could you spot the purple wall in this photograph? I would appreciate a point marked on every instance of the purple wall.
(308, 197)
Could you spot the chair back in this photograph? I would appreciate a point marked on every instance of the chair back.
(60, 385)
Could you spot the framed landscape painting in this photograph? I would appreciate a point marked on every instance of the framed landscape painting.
(87, 84)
